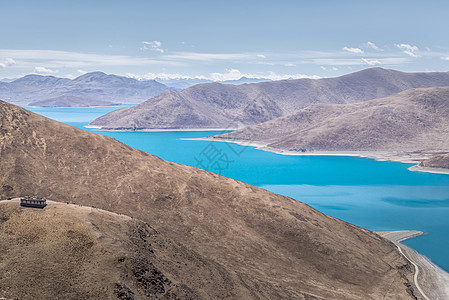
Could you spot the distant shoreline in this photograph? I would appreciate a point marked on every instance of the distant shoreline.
(395, 156)
(161, 129)
(93, 106)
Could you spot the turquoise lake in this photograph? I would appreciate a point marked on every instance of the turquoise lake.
(368, 193)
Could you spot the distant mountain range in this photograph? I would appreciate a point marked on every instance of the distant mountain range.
(71, 101)
(97, 86)
(416, 120)
(214, 105)
(181, 84)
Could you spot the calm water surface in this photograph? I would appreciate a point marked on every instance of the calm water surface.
(375, 195)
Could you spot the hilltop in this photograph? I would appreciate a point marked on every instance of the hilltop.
(68, 251)
(214, 105)
(259, 244)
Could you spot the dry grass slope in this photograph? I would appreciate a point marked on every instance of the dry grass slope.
(75, 252)
(260, 244)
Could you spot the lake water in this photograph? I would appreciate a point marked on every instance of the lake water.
(371, 194)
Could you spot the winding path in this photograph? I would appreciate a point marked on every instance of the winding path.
(431, 281)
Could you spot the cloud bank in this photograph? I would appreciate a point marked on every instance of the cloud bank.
(371, 45)
(353, 50)
(153, 46)
(43, 70)
(408, 49)
(229, 74)
(7, 62)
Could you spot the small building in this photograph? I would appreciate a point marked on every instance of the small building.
(34, 201)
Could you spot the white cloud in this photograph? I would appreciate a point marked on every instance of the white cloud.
(234, 74)
(290, 65)
(164, 76)
(43, 70)
(357, 61)
(229, 74)
(408, 49)
(197, 56)
(261, 56)
(353, 50)
(373, 46)
(59, 59)
(371, 62)
(267, 63)
(445, 57)
(329, 68)
(7, 62)
(153, 46)
(82, 72)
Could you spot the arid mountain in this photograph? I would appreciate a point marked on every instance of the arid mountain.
(262, 245)
(216, 105)
(412, 121)
(70, 101)
(96, 85)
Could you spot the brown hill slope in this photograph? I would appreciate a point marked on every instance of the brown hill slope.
(413, 120)
(272, 246)
(76, 252)
(216, 105)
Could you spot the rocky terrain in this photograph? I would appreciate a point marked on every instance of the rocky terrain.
(70, 101)
(438, 161)
(215, 105)
(415, 120)
(251, 243)
(69, 251)
(96, 85)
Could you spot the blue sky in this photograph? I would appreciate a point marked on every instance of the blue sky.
(221, 39)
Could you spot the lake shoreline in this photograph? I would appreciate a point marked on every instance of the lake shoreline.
(394, 156)
(430, 279)
(99, 128)
(70, 107)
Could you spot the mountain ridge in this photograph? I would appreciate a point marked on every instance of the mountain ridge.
(412, 121)
(214, 105)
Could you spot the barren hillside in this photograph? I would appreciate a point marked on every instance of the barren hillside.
(262, 245)
(415, 120)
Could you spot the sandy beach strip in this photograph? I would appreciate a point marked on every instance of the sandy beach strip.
(430, 280)
(418, 168)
